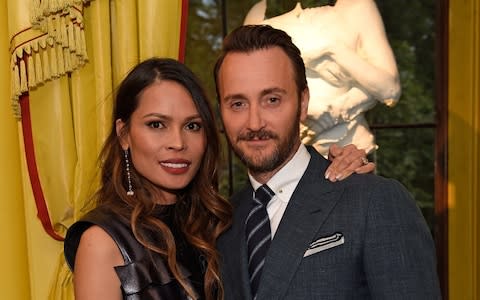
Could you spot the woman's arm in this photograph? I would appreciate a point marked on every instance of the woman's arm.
(94, 276)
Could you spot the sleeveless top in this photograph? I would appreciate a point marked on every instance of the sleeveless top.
(145, 274)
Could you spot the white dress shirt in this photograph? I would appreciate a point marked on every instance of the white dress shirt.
(283, 183)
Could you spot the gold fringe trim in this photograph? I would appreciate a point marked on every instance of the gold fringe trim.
(58, 46)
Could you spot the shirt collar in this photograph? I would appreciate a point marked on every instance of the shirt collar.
(284, 182)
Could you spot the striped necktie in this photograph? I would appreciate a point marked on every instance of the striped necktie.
(258, 234)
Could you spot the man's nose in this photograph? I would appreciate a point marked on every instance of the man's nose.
(255, 118)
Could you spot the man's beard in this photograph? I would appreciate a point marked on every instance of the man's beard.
(282, 151)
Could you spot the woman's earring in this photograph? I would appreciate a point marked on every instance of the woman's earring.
(129, 178)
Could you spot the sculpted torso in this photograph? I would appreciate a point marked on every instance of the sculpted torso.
(350, 66)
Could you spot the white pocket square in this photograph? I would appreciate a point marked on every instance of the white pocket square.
(325, 243)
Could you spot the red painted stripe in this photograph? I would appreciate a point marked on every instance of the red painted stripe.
(42, 210)
(183, 31)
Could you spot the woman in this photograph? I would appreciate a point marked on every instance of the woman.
(158, 214)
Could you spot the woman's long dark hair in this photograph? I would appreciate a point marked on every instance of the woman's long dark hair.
(201, 212)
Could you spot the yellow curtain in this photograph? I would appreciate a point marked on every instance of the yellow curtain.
(67, 56)
(464, 150)
(14, 282)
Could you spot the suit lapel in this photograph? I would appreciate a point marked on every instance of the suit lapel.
(239, 242)
(307, 210)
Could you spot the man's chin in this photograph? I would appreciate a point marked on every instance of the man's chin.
(260, 164)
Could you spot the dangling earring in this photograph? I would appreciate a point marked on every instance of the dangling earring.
(129, 178)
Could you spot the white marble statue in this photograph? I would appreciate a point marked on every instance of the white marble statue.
(350, 66)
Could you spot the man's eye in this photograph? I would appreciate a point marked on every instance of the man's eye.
(237, 104)
(155, 124)
(273, 100)
(193, 126)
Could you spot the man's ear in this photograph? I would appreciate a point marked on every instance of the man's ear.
(121, 129)
(304, 98)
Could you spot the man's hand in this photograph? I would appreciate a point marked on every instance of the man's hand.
(345, 161)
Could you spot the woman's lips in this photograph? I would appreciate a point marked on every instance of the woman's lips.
(175, 167)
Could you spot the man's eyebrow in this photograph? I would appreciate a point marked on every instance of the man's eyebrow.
(241, 96)
(273, 90)
(234, 96)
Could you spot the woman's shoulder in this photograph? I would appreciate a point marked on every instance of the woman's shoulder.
(94, 256)
(96, 235)
(98, 247)
(99, 227)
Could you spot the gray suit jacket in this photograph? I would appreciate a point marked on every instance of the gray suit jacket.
(361, 238)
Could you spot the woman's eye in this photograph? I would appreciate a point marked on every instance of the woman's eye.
(155, 124)
(194, 126)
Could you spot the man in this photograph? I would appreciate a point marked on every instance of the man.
(360, 238)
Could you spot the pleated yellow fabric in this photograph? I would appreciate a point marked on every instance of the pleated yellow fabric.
(70, 115)
(14, 281)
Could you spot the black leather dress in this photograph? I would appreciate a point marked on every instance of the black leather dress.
(145, 274)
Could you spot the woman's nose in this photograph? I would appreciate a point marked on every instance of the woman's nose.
(176, 141)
